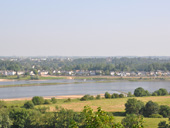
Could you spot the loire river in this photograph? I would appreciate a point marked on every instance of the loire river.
(76, 89)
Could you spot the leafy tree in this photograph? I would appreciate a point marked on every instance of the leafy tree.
(29, 105)
(98, 97)
(53, 100)
(37, 100)
(121, 96)
(87, 97)
(164, 110)
(139, 92)
(133, 121)
(162, 124)
(107, 95)
(161, 92)
(100, 119)
(134, 106)
(5, 121)
(129, 94)
(151, 108)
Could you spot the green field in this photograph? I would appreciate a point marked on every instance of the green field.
(115, 106)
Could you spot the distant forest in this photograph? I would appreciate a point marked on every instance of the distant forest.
(105, 64)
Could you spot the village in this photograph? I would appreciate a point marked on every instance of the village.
(86, 73)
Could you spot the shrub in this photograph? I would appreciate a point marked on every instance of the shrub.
(134, 106)
(2, 104)
(139, 92)
(29, 105)
(156, 116)
(53, 100)
(129, 94)
(161, 92)
(163, 124)
(87, 97)
(37, 100)
(98, 97)
(121, 96)
(133, 121)
(47, 101)
(107, 95)
(68, 100)
(42, 109)
(151, 108)
(164, 110)
(115, 95)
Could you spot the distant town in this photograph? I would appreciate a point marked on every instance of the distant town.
(84, 66)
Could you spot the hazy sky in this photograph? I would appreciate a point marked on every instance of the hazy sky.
(85, 27)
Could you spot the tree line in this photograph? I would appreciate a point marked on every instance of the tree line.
(105, 64)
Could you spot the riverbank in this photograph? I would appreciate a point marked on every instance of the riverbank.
(47, 97)
(50, 77)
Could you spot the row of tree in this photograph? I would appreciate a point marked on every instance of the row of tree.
(105, 64)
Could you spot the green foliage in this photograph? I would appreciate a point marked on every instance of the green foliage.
(151, 108)
(121, 96)
(38, 100)
(68, 100)
(87, 97)
(66, 119)
(160, 92)
(98, 97)
(156, 116)
(20, 118)
(164, 110)
(107, 95)
(100, 119)
(53, 100)
(2, 104)
(134, 106)
(47, 101)
(133, 121)
(5, 121)
(29, 105)
(42, 109)
(129, 94)
(115, 95)
(139, 92)
(163, 124)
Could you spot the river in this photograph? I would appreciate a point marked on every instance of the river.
(76, 89)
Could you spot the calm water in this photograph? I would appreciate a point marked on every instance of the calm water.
(78, 89)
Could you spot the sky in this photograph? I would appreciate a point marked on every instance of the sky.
(85, 28)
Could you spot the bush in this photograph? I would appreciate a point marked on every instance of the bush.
(98, 97)
(121, 96)
(115, 95)
(2, 104)
(29, 105)
(87, 97)
(164, 110)
(134, 106)
(151, 108)
(68, 100)
(42, 109)
(133, 121)
(139, 92)
(129, 94)
(53, 100)
(47, 101)
(156, 116)
(37, 100)
(163, 124)
(107, 95)
(161, 92)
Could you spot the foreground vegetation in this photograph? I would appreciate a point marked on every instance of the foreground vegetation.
(37, 111)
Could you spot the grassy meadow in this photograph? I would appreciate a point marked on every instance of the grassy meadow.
(115, 106)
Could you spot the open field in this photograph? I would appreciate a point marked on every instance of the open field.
(109, 105)
(148, 122)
